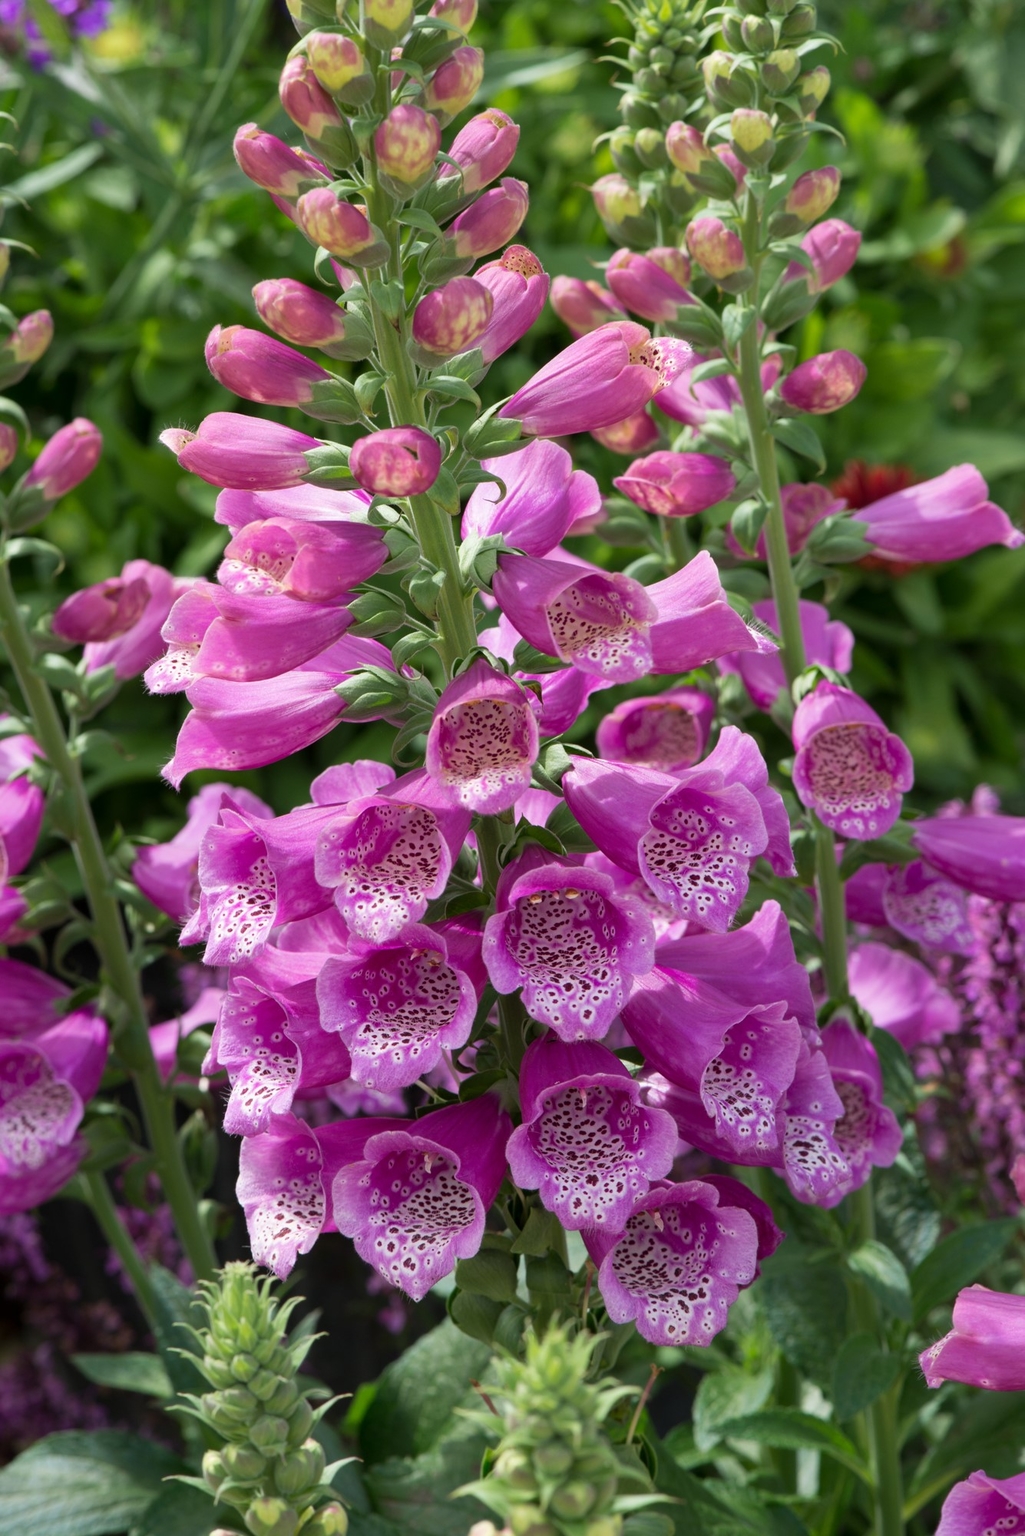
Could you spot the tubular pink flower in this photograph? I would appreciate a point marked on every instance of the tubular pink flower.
(101, 612)
(849, 769)
(453, 318)
(311, 562)
(563, 694)
(483, 149)
(399, 461)
(984, 854)
(985, 1346)
(311, 505)
(455, 83)
(833, 249)
(597, 380)
(925, 906)
(826, 641)
(22, 804)
(825, 383)
(583, 306)
(132, 647)
(234, 726)
(693, 403)
(982, 1504)
(901, 995)
(299, 314)
(245, 453)
(946, 518)
(609, 625)
(259, 368)
(167, 874)
(668, 731)
(71, 454)
(519, 287)
(544, 496)
(406, 143)
(275, 166)
(717, 250)
(340, 227)
(483, 740)
(653, 285)
(565, 938)
(677, 484)
(867, 1134)
(491, 221)
(397, 1006)
(389, 853)
(416, 1203)
(692, 836)
(588, 1143)
(284, 1183)
(680, 1263)
(630, 437)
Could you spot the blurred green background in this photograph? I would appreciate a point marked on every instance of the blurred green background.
(145, 235)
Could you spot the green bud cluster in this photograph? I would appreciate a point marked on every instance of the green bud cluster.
(268, 1467)
(555, 1471)
(665, 83)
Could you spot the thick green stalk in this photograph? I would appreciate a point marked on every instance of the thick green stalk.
(881, 1418)
(109, 936)
(677, 542)
(763, 453)
(101, 1203)
(832, 912)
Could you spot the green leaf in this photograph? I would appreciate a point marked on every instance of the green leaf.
(130, 1372)
(57, 173)
(982, 1431)
(175, 1305)
(724, 1395)
(82, 1483)
(415, 1492)
(800, 436)
(48, 554)
(453, 387)
(884, 1275)
(179, 1511)
(791, 1430)
(526, 658)
(861, 1375)
(736, 319)
(957, 1261)
(805, 1305)
(417, 1395)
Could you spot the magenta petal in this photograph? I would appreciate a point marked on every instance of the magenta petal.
(984, 854)
(901, 995)
(483, 740)
(985, 1346)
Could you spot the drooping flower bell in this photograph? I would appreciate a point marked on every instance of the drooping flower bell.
(416, 1202)
(653, 285)
(397, 1006)
(868, 1133)
(243, 452)
(983, 1504)
(825, 383)
(984, 854)
(679, 1264)
(691, 836)
(120, 620)
(306, 561)
(608, 624)
(167, 873)
(597, 380)
(827, 641)
(925, 906)
(569, 942)
(946, 518)
(587, 1143)
(543, 497)
(22, 803)
(849, 769)
(66, 459)
(483, 740)
(489, 222)
(483, 148)
(986, 1346)
(668, 730)
(901, 995)
(584, 305)
(276, 166)
(398, 461)
(518, 285)
(259, 368)
(832, 247)
(677, 484)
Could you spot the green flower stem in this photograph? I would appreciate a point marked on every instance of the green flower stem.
(763, 453)
(880, 1420)
(677, 542)
(832, 912)
(109, 937)
(101, 1203)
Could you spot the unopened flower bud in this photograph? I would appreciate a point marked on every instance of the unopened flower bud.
(341, 228)
(300, 1470)
(629, 437)
(813, 194)
(757, 34)
(24, 346)
(686, 147)
(310, 13)
(214, 1470)
(451, 319)
(259, 368)
(717, 250)
(653, 285)
(650, 144)
(727, 82)
(101, 612)
(484, 148)
(243, 1463)
(8, 445)
(490, 222)
(455, 83)
(573, 1500)
(339, 65)
(269, 1434)
(405, 145)
(299, 314)
(330, 1519)
(813, 88)
(621, 210)
(387, 21)
(311, 109)
(400, 461)
(583, 305)
(70, 455)
(801, 22)
(274, 165)
(779, 70)
(824, 383)
(751, 136)
(461, 13)
(271, 1517)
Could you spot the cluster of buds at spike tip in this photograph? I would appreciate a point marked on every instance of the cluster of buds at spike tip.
(268, 1467)
(555, 1470)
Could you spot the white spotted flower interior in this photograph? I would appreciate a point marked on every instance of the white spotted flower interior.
(483, 740)
(849, 769)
